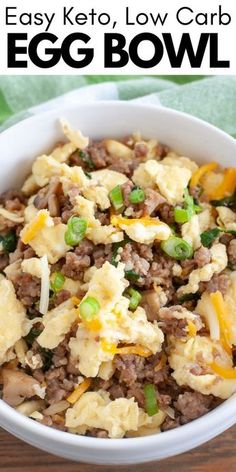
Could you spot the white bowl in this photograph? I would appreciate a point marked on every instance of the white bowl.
(19, 145)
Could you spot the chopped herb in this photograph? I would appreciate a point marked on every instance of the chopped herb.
(116, 197)
(137, 195)
(88, 175)
(32, 335)
(182, 215)
(230, 231)
(227, 201)
(151, 405)
(47, 356)
(177, 248)
(132, 275)
(207, 237)
(8, 242)
(57, 282)
(115, 250)
(76, 229)
(86, 159)
(89, 308)
(134, 298)
(188, 297)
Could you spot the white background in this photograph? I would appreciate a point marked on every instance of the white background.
(116, 9)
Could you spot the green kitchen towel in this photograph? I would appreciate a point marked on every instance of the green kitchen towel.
(211, 98)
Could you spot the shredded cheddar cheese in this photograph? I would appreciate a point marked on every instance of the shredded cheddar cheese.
(78, 392)
(225, 372)
(136, 349)
(227, 186)
(192, 330)
(36, 225)
(196, 177)
(119, 220)
(221, 312)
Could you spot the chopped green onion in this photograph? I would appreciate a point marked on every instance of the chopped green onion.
(134, 298)
(151, 405)
(89, 308)
(227, 201)
(207, 237)
(88, 175)
(8, 242)
(132, 275)
(76, 229)
(57, 282)
(86, 159)
(188, 297)
(47, 356)
(32, 335)
(116, 197)
(181, 215)
(177, 248)
(137, 195)
(197, 208)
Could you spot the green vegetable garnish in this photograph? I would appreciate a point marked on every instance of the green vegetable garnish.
(207, 237)
(134, 298)
(57, 282)
(32, 335)
(151, 405)
(188, 297)
(8, 242)
(89, 308)
(182, 215)
(137, 195)
(47, 356)
(88, 175)
(116, 197)
(177, 248)
(227, 201)
(86, 159)
(132, 275)
(76, 229)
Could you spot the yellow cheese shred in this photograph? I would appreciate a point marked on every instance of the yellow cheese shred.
(78, 392)
(135, 349)
(227, 186)
(196, 177)
(192, 330)
(35, 226)
(225, 372)
(221, 312)
(119, 220)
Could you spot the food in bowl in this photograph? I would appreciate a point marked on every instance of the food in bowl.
(117, 288)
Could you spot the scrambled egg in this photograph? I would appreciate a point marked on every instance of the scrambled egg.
(191, 231)
(30, 186)
(114, 323)
(74, 136)
(226, 218)
(30, 213)
(171, 180)
(13, 321)
(96, 232)
(96, 410)
(109, 178)
(143, 230)
(57, 323)
(62, 153)
(173, 159)
(98, 195)
(45, 237)
(218, 263)
(45, 167)
(32, 266)
(201, 352)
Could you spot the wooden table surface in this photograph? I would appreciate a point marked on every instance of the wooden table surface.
(218, 455)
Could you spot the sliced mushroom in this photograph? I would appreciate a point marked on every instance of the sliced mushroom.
(151, 303)
(17, 386)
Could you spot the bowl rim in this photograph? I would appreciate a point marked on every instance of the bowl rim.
(181, 438)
